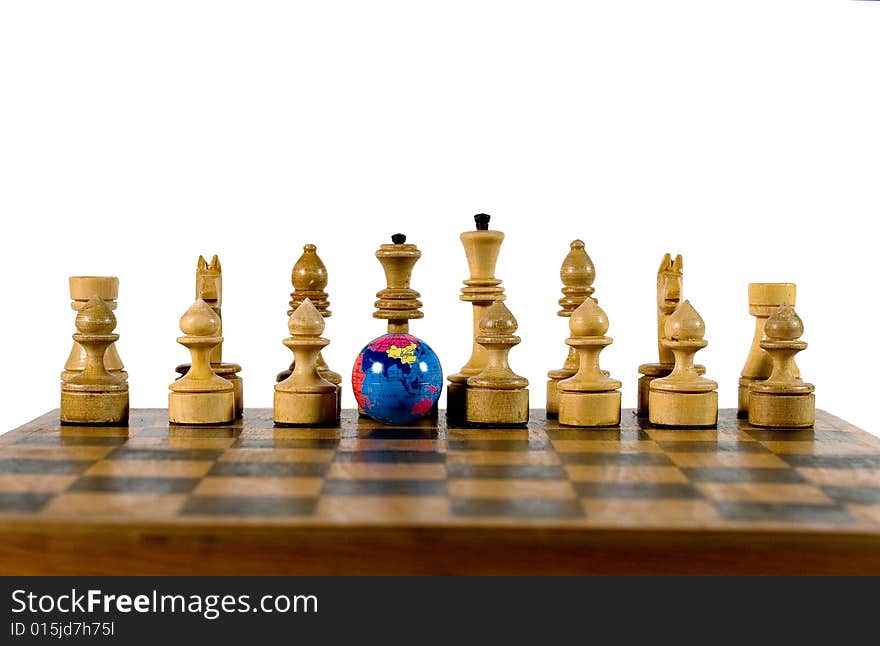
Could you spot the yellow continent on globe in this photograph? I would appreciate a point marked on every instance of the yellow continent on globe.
(405, 355)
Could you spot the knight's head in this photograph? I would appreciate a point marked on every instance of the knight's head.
(209, 282)
(669, 282)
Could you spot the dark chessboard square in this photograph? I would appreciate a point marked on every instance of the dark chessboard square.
(741, 474)
(517, 508)
(857, 495)
(39, 439)
(347, 487)
(248, 506)
(398, 433)
(391, 457)
(137, 453)
(153, 431)
(23, 501)
(292, 443)
(506, 471)
(43, 467)
(799, 435)
(638, 490)
(855, 461)
(783, 512)
(722, 446)
(269, 469)
(108, 484)
(616, 459)
(496, 445)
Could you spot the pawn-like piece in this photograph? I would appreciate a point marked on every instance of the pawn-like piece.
(94, 395)
(782, 400)
(590, 397)
(497, 396)
(684, 398)
(305, 397)
(201, 396)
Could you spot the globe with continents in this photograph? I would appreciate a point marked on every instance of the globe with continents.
(397, 379)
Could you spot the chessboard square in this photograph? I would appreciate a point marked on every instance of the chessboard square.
(530, 508)
(269, 469)
(597, 435)
(726, 459)
(615, 473)
(504, 435)
(150, 468)
(606, 446)
(822, 448)
(129, 452)
(868, 514)
(856, 495)
(34, 482)
(381, 510)
(284, 433)
(618, 459)
(713, 447)
(501, 457)
(742, 474)
(276, 455)
(497, 445)
(42, 466)
(799, 435)
(249, 506)
(798, 513)
(398, 433)
(635, 512)
(506, 471)
(54, 452)
(834, 461)
(697, 435)
(115, 505)
(90, 431)
(763, 492)
(274, 443)
(841, 477)
(391, 457)
(23, 502)
(134, 485)
(373, 471)
(57, 439)
(512, 489)
(232, 487)
(360, 444)
(344, 487)
(637, 490)
(203, 436)
(182, 441)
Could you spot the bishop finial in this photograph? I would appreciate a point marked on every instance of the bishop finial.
(588, 320)
(784, 325)
(398, 238)
(200, 320)
(685, 324)
(309, 272)
(577, 269)
(482, 221)
(95, 318)
(498, 320)
(306, 320)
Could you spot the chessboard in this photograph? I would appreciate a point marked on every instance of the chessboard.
(363, 498)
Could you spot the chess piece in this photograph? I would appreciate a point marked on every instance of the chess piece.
(209, 288)
(684, 398)
(201, 396)
(589, 398)
(82, 289)
(481, 290)
(670, 280)
(782, 400)
(398, 303)
(764, 299)
(496, 395)
(577, 273)
(94, 395)
(305, 397)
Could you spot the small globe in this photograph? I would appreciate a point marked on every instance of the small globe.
(397, 379)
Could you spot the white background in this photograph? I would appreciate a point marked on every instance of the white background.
(135, 136)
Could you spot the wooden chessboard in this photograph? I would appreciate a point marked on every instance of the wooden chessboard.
(365, 498)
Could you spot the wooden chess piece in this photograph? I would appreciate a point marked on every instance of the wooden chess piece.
(764, 299)
(398, 303)
(670, 281)
(577, 273)
(684, 398)
(94, 395)
(305, 397)
(497, 396)
(782, 400)
(209, 288)
(82, 289)
(590, 397)
(201, 396)
(481, 290)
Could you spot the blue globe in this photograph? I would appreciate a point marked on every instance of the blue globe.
(397, 379)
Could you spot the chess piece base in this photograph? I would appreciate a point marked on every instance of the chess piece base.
(589, 408)
(742, 406)
(456, 401)
(650, 372)
(305, 409)
(781, 410)
(229, 371)
(683, 410)
(497, 407)
(201, 408)
(84, 407)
